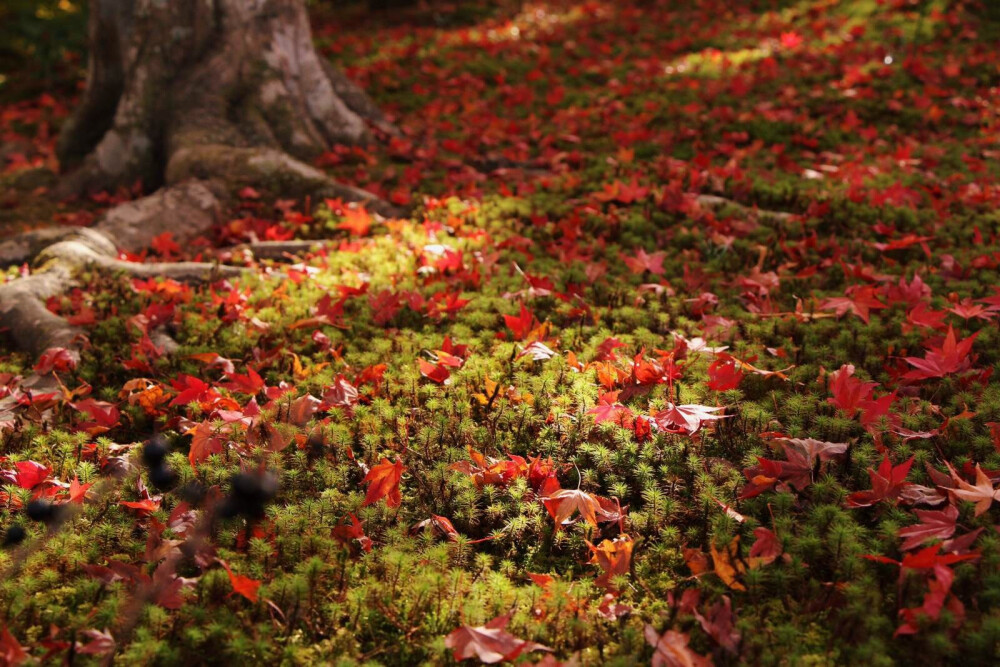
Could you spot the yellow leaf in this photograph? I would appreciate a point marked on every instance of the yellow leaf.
(727, 565)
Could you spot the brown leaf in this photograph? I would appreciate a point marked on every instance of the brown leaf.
(696, 561)
(204, 443)
(563, 503)
(983, 493)
(489, 643)
(720, 624)
(765, 550)
(672, 650)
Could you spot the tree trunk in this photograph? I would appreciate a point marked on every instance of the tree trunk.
(198, 98)
(170, 81)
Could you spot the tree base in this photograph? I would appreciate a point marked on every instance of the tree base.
(199, 100)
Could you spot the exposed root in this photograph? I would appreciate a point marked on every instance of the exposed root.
(23, 247)
(205, 99)
(24, 316)
(278, 250)
(186, 210)
(715, 203)
(90, 249)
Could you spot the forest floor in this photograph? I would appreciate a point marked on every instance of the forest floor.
(573, 397)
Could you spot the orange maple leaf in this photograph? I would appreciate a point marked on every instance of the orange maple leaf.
(614, 557)
(383, 480)
(242, 584)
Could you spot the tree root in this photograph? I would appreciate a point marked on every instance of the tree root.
(186, 210)
(34, 328)
(91, 249)
(23, 247)
(23, 313)
(58, 254)
(715, 203)
(203, 99)
(277, 250)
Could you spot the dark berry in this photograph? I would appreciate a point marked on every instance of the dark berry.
(43, 511)
(14, 535)
(155, 451)
(162, 477)
(250, 493)
(193, 492)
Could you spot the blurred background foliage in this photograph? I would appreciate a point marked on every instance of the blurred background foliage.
(39, 40)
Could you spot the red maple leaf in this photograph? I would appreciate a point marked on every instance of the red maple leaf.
(686, 418)
(356, 221)
(613, 557)
(143, 507)
(645, 262)
(608, 409)
(923, 316)
(872, 411)
(671, 650)
(521, 324)
(859, 300)
(341, 394)
(56, 360)
(445, 303)
(968, 310)
(383, 480)
(77, 491)
(934, 525)
(30, 474)
(434, 372)
(165, 246)
(354, 531)
(927, 558)
(952, 357)
(935, 600)
(385, 305)
(204, 442)
(724, 374)
(887, 483)
(250, 384)
(104, 415)
(796, 471)
(191, 390)
(848, 391)
(765, 549)
(11, 650)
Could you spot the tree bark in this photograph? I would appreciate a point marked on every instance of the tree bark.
(166, 78)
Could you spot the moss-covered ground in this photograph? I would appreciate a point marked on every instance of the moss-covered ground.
(566, 390)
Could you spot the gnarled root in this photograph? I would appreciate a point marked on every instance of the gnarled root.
(58, 254)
